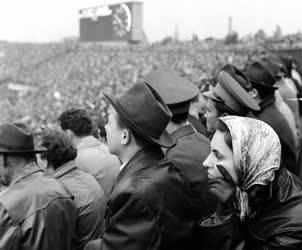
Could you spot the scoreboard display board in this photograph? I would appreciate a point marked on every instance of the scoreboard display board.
(117, 22)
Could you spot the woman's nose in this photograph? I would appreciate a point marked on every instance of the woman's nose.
(206, 163)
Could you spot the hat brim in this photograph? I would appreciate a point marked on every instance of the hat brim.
(165, 140)
(35, 150)
(237, 91)
(210, 94)
(264, 85)
(261, 83)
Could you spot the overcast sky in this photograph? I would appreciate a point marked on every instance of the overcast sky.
(51, 20)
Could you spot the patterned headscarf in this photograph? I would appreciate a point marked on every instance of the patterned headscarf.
(257, 154)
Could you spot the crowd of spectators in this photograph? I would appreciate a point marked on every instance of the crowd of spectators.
(64, 75)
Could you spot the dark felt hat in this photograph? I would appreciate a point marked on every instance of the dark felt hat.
(17, 138)
(229, 92)
(143, 110)
(238, 75)
(176, 91)
(259, 74)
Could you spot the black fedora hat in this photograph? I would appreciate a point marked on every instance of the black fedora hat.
(17, 138)
(143, 110)
(258, 74)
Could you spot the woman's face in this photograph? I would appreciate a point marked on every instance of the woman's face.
(221, 154)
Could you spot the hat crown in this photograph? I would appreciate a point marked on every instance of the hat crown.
(171, 87)
(16, 136)
(146, 109)
(232, 94)
(257, 73)
(238, 75)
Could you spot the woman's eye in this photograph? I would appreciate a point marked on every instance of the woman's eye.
(218, 156)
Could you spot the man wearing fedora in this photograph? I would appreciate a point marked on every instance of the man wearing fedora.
(229, 96)
(191, 147)
(263, 91)
(148, 206)
(36, 212)
(285, 95)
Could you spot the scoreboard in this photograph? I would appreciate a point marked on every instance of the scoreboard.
(111, 23)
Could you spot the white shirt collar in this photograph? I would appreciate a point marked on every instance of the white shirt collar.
(123, 165)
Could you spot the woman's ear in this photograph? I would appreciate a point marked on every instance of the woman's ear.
(125, 137)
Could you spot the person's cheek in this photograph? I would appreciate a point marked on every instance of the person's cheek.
(214, 173)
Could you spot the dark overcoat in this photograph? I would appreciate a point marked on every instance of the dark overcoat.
(148, 206)
(188, 154)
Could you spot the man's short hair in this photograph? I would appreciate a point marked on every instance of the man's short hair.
(263, 91)
(59, 148)
(76, 120)
(180, 118)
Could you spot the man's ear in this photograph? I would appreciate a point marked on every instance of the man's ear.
(69, 133)
(254, 93)
(126, 137)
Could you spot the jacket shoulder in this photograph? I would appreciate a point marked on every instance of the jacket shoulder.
(153, 184)
(32, 195)
(190, 150)
(282, 214)
(96, 157)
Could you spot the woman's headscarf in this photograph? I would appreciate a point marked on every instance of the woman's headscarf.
(257, 154)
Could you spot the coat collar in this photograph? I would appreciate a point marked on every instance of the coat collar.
(144, 158)
(183, 131)
(26, 171)
(265, 103)
(65, 168)
(89, 142)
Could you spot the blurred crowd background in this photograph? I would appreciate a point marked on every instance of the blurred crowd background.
(39, 81)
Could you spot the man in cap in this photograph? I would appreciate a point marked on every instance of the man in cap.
(147, 208)
(191, 147)
(229, 96)
(93, 156)
(36, 212)
(263, 93)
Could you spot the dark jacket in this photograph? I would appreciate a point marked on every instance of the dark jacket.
(37, 213)
(270, 114)
(148, 206)
(277, 225)
(199, 124)
(89, 199)
(188, 154)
